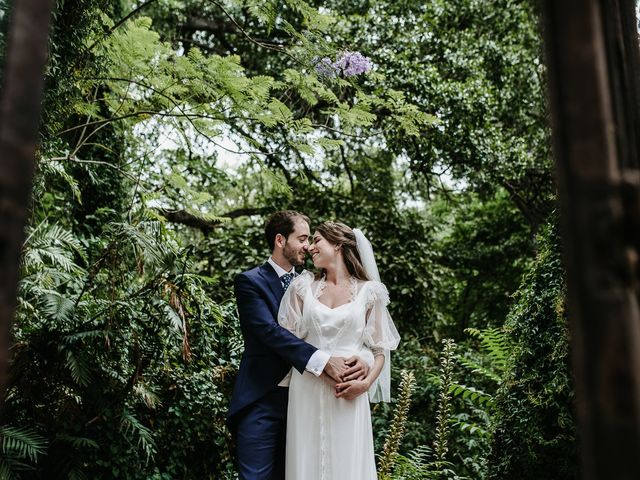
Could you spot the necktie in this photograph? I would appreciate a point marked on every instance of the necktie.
(286, 280)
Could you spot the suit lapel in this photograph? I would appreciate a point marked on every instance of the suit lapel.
(273, 281)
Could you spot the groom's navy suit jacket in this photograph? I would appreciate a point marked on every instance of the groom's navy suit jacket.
(269, 349)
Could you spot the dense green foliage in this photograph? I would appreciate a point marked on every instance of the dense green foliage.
(172, 127)
(535, 432)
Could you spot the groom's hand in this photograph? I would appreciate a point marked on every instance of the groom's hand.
(358, 369)
(335, 368)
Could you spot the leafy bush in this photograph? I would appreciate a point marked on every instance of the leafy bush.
(535, 434)
(135, 356)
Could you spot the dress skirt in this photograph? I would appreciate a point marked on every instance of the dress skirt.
(328, 438)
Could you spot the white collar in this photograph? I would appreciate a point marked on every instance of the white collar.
(279, 270)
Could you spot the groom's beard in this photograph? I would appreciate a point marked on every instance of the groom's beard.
(292, 256)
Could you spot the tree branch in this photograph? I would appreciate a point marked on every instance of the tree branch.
(206, 226)
(270, 46)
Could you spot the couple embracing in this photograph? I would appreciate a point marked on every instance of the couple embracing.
(311, 421)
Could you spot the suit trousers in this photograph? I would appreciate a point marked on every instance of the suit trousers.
(261, 437)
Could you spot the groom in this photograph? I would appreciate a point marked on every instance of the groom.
(258, 411)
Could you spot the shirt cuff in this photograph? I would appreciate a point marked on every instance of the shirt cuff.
(317, 362)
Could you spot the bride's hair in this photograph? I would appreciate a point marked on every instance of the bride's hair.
(337, 233)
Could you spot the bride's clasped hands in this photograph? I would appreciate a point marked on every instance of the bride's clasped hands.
(352, 382)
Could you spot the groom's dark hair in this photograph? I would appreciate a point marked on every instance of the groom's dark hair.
(282, 223)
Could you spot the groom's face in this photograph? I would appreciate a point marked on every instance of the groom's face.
(297, 243)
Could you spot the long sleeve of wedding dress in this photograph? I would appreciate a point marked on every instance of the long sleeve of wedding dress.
(290, 313)
(381, 336)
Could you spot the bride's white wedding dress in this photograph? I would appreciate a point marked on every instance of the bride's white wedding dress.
(331, 438)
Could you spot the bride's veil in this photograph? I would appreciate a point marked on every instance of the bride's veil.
(365, 250)
(380, 389)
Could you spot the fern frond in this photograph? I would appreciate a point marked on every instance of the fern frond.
(144, 237)
(6, 470)
(420, 455)
(55, 235)
(57, 306)
(53, 167)
(413, 466)
(10, 466)
(36, 282)
(80, 371)
(496, 343)
(473, 429)
(21, 443)
(52, 246)
(471, 393)
(479, 369)
(130, 425)
(87, 335)
(78, 442)
(171, 315)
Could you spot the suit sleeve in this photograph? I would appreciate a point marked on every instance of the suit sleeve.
(256, 318)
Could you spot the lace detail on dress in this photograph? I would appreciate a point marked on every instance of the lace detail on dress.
(353, 285)
(301, 282)
(353, 288)
(322, 283)
(324, 419)
(377, 292)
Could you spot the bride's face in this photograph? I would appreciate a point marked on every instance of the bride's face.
(322, 252)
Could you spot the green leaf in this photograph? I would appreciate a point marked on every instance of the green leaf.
(329, 143)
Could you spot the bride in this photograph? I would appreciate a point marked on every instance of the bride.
(342, 311)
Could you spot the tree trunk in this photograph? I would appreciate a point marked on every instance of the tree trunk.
(592, 59)
(22, 88)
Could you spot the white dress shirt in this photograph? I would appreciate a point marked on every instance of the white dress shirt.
(319, 359)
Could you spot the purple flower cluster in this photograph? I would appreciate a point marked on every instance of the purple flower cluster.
(353, 63)
(348, 64)
(325, 68)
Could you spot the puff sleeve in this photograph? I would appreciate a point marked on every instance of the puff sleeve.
(381, 336)
(290, 314)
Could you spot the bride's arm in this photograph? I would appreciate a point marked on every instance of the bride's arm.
(354, 388)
